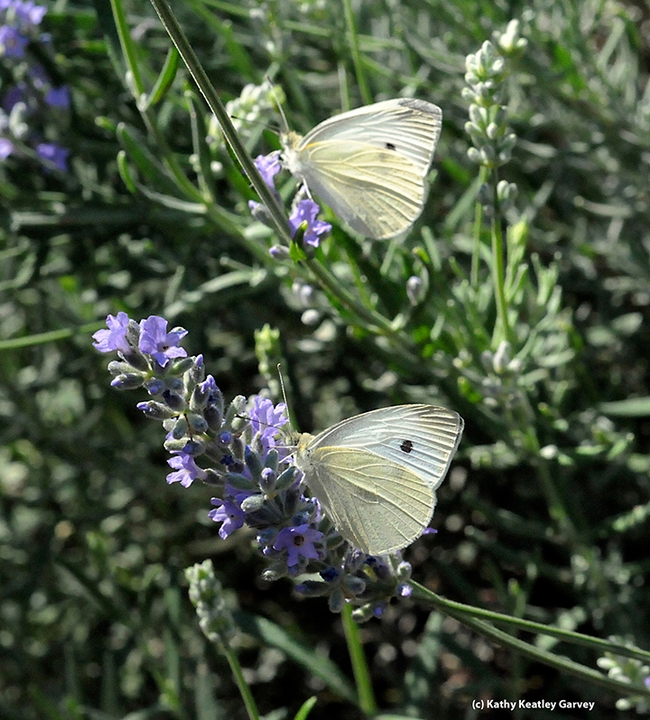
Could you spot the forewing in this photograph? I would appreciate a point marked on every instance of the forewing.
(421, 438)
(378, 192)
(409, 127)
(376, 504)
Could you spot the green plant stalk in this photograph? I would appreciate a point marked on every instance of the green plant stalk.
(358, 659)
(128, 49)
(218, 109)
(559, 663)
(478, 224)
(502, 325)
(353, 36)
(368, 319)
(330, 282)
(462, 612)
(244, 689)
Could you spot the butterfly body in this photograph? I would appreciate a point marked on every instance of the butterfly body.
(375, 474)
(370, 164)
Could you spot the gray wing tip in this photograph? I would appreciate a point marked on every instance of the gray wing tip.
(421, 105)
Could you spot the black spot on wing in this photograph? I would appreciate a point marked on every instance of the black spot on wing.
(406, 446)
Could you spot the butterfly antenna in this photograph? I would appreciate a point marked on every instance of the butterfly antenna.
(284, 395)
(279, 98)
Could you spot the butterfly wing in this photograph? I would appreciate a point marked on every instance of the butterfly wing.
(374, 515)
(376, 192)
(411, 127)
(422, 438)
(375, 474)
(370, 165)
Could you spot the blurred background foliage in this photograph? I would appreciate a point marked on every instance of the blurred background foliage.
(544, 514)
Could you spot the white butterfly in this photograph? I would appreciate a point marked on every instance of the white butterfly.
(375, 474)
(369, 165)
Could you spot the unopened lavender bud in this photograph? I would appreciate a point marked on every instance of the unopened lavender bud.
(279, 252)
(200, 396)
(415, 290)
(237, 447)
(287, 478)
(132, 333)
(272, 460)
(336, 600)
(311, 316)
(180, 365)
(235, 409)
(213, 417)
(292, 499)
(206, 593)
(197, 423)
(175, 445)
(253, 503)
(180, 428)
(354, 585)
(127, 381)
(312, 588)
(501, 357)
(474, 155)
(196, 374)
(175, 401)
(379, 566)
(119, 367)
(300, 518)
(238, 481)
(155, 410)
(485, 195)
(194, 447)
(252, 460)
(213, 477)
(154, 386)
(267, 480)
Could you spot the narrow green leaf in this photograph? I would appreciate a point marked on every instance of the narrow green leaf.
(271, 634)
(305, 708)
(632, 407)
(165, 79)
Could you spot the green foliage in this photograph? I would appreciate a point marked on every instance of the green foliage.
(530, 318)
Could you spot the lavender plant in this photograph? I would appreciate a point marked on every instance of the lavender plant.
(243, 454)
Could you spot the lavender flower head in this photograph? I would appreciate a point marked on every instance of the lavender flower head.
(304, 210)
(242, 452)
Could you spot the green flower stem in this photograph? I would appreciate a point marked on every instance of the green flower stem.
(478, 225)
(463, 613)
(217, 107)
(334, 286)
(502, 326)
(359, 664)
(128, 48)
(370, 320)
(244, 689)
